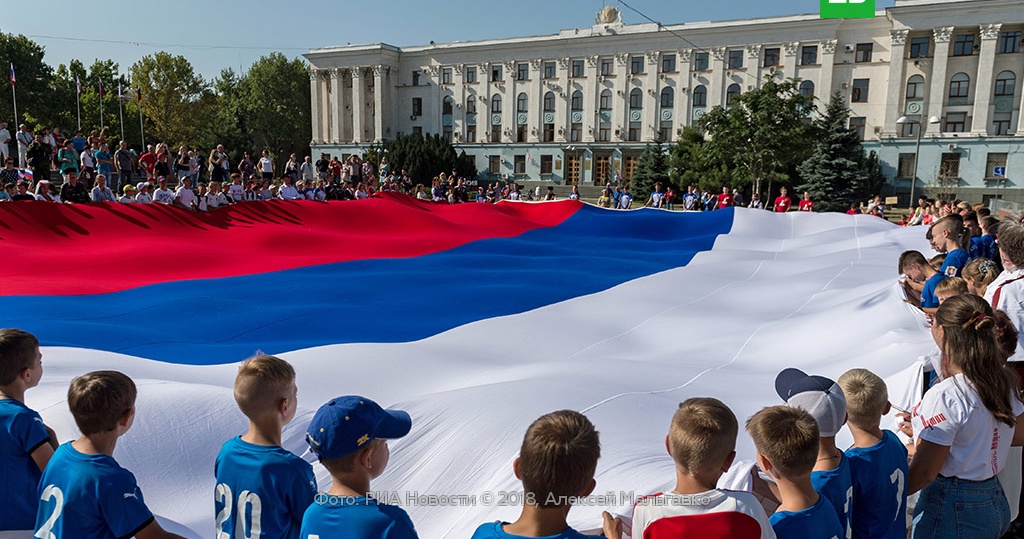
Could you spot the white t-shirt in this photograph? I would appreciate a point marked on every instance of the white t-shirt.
(236, 192)
(144, 198)
(289, 192)
(951, 414)
(216, 200)
(5, 136)
(186, 196)
(712, 510)
(267, 165)
(163, 196)
(1011, 302)
(87, 160)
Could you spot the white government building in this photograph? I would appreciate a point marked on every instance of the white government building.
(579, 106)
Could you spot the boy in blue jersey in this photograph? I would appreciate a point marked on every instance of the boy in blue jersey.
(556, 464)
(350, 437)
(786, 439)
(824, 400)
(84, 493)
(921, 274)
(946, 237)
(262, 489)
(878, 461)
(25, 442)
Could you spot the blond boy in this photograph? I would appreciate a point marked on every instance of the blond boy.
(702, 442)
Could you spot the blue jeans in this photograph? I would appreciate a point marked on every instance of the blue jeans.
(958, 508)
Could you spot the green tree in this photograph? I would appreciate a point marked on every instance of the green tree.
(875, 178)
(651, 169)
(229, 125)
(175, 99)
(273, 101)
(424, 157)
(835, 174)
(32, 85)
(762, 135)
(689, 164)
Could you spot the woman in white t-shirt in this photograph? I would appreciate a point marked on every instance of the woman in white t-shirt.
(964, 427)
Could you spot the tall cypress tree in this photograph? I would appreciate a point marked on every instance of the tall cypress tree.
(835, 174)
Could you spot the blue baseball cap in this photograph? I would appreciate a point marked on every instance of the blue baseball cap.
(346, 424)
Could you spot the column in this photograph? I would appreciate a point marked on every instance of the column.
(754, 67)
(316, 113)
(378, 102)
(535, 116)
(716, 86)
(684, 92)
(459, 113)
(937, 89)
(483, 103)
(652, 107)
(337, 109)
(509, 93)
(983, 88)
(828, 52)
(620, 97)
(894, 93)
(358, 106)
(789, 61)
(562, 102)
(592, 88)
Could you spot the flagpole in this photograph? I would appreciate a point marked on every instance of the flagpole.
(78, 100)
(142, 128)
(101, 105)
(120, 108)
(14, 96)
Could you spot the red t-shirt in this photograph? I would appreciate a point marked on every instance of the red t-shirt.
(149, 160)
(724, 200)
(782, 204)
(806, 205)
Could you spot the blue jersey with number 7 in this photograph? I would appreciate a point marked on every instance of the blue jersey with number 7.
(879, 477)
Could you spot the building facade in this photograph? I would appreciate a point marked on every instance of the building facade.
(579, 106)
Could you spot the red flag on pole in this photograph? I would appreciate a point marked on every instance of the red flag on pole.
(138, 93)
(12, 73)
(102, 93)
(78, 85)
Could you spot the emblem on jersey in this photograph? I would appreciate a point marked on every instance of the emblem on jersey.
(951, 271)
(132, 494)
(365, 438)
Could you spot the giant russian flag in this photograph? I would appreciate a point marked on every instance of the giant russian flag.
(475, 318)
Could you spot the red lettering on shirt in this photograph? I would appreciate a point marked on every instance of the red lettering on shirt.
(932, 421)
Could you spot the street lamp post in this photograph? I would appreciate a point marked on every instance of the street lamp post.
(903, 120)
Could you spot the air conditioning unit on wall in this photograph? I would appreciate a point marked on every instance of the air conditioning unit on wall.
(850, 48)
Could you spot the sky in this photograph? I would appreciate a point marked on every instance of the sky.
(218, 34)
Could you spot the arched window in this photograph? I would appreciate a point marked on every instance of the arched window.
(636, 99)
(549, 102)
(577, 100)
(496, 103)
(959, 85)
(447, 105)
(807, 88)
(915, 87)
(732, 93)
(700, 96)
(522, 103)
(668, 98)
(471, 104)
(1005, 83)
(606, 100)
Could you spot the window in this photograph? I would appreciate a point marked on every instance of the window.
(521, 133)
(606, 100)
(549, 133)
(959, 85)
(864, 52)
(915, 87)
(665, 131)
(636, 99)
(522, 103)
(963, 45)
(416, 78)
(447, 104)
(668, 98)
(471, 104)
(700, 96)
(496, 75)
(668, 63)
(857, 125)
(496, 103)
(520, 164)
(636, 64)
(732, 93)
(1001, 123)
(494, 164)
(550, 71)
(470, 76)
(417, 106)
(546, 164)
(633, 135)
(607, 67)
(809, 55)
(446, 75)
(604, 133)
(446, 134)
(577, 100)
(1005, 82)
(771, 57)
(577, 68)
(735, 59)
(905, 169)
(908, 129)
(575, 132)
(471, 133)
(496, 133)
(700, 61)
(950, 166)
(995, 160)
(523, 71)
(860, 90)
(919, 47)
(417, 130)
(955, 122)
(807, 88)
(549, 102)
(1009, 42)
